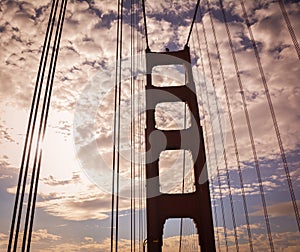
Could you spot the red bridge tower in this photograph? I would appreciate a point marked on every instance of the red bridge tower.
(161, 206)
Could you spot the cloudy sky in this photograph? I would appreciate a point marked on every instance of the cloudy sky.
(74, 201)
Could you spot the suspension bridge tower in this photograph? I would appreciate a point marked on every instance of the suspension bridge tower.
(162, 206)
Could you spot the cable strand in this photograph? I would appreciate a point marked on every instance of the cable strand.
(116, 89)
(45, 106)
(213, 135)
(290, 28)
(194, 18)
(30, 133)
(45, 124)
(207, 147)
(234, 136)
(274, 119)
(145, 26)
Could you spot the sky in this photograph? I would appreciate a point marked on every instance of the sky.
(74, 200)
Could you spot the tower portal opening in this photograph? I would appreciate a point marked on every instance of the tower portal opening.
(180, 234)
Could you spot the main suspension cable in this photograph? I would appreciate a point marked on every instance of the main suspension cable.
(272, 111)
(262, 194)
(207, 147)
(190, 31)
(234, 137)
(213, 134)
(291, 30)
(145, 25)
(220, 126)
(194, 18)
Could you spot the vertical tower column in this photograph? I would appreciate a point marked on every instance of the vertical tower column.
(162, 206)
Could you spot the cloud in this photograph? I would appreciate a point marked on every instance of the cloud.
(88, 47)
(41, 237)
(5, 135)
(88, 245)
(69, 209)
(3, 240)
(53, 182)
(282, 209)
(42, 234)
(74, 199)
(252, 84)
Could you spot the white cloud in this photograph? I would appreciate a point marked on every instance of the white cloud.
(279, 210)
(88, 46)
(41, 237)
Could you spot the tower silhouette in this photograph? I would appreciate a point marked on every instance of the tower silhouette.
(162, 206)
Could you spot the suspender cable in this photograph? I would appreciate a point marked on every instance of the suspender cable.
(42, 128)
(142, 160)
(183, 175)
(234, 137)
(291, 31)
(43, 124)
(221, 196)
(194, 18)
(207, 147)
(221, 131)
(141, 173)
(143, 199)
(30, 132)
(119, 128)
(132, 132)
(139, 49)
(140, 132)
(275, 124)
(212, 128)
(131, 135)
(254, 154)
(145, 25)
(139, 167)
(116, 90)
(215, 211)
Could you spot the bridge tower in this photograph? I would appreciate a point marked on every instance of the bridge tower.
(162, 206)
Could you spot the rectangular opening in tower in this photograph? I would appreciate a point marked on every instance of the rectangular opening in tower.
(168, 75)
(176, 173)
(172, 116)
(180, 234)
